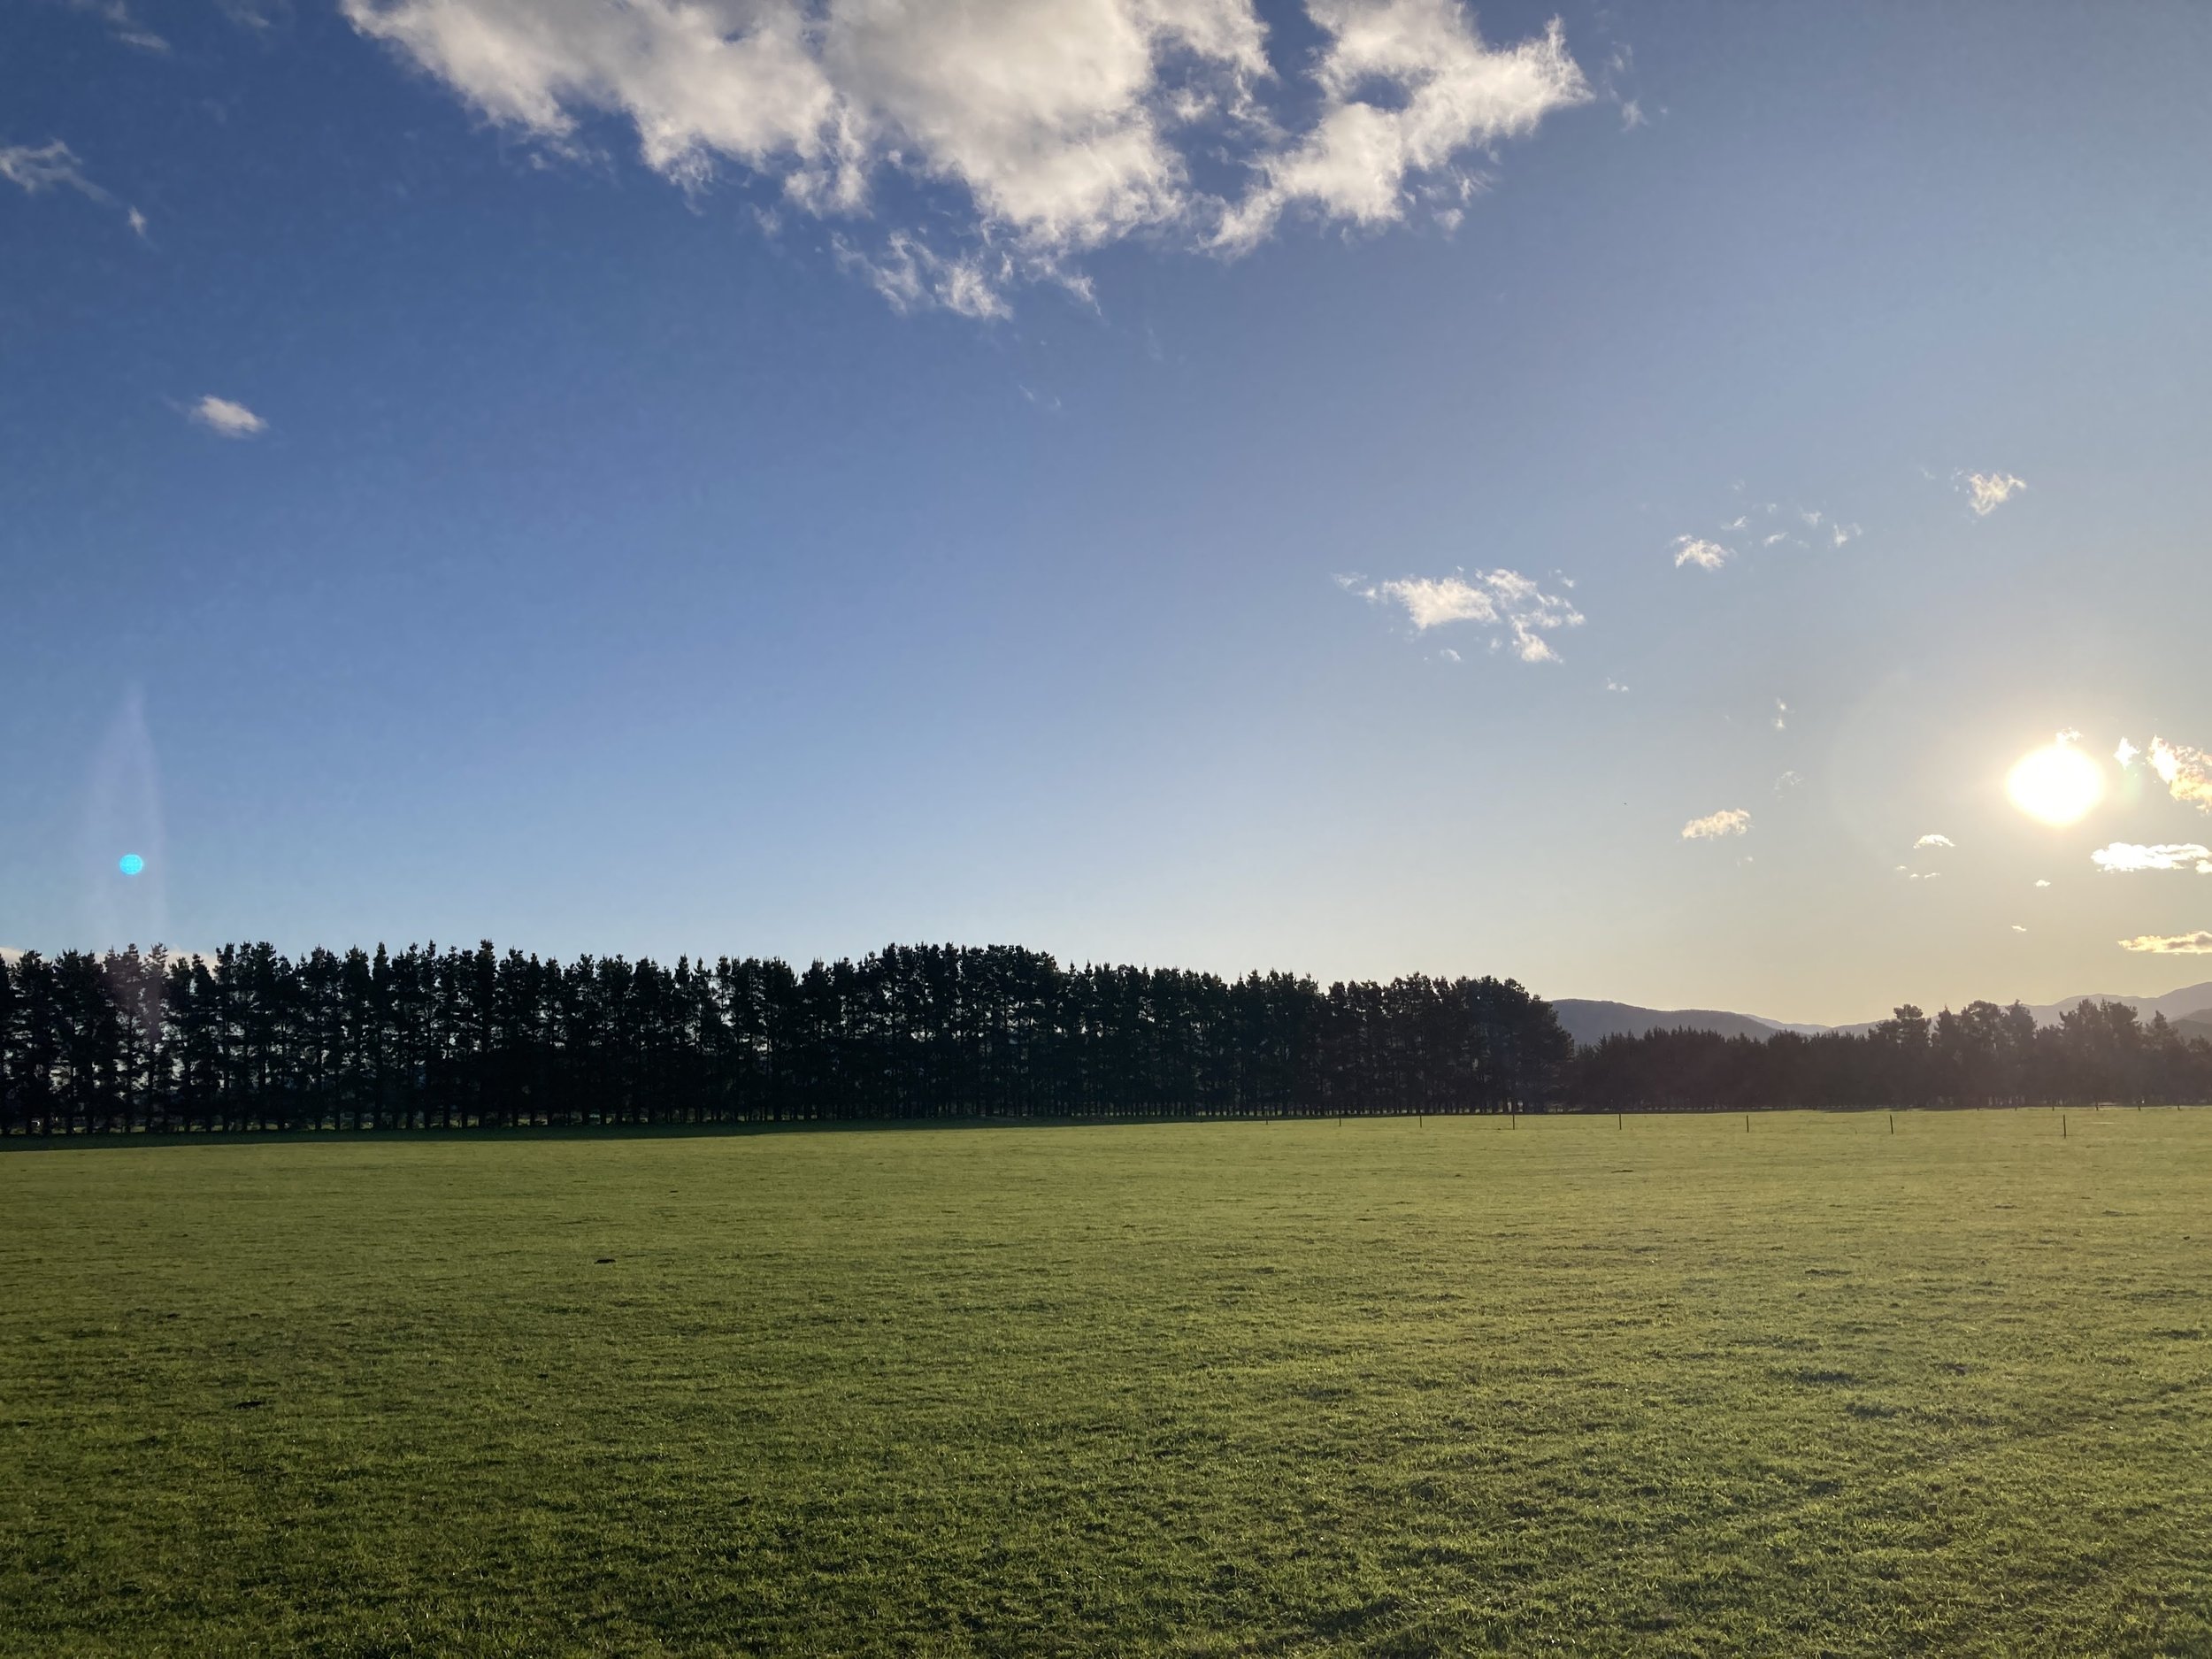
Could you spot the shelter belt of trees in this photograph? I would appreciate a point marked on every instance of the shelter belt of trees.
(251, 1039)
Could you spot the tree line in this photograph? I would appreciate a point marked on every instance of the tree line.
(253, 1039)
(423, 1038)
(1982, 1056)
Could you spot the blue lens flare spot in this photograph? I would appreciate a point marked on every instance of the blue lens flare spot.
(130, 863)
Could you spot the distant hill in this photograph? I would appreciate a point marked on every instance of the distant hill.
(2182, 1005)
(1588, 1021)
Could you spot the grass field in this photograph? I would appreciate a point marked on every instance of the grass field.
(1384, 1389)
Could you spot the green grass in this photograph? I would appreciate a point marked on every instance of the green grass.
(1383, 1388)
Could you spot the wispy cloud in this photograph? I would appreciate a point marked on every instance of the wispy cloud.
(2124, 856)
(36, 169)
(1706, 556)
(48, 166)
(2185, 771)
(231, 420)
(2196, 944)
(1507, 603)
(1781, 715)
(1032, 133)
(1789, 781)
(122, 23)
(1988, 491)
(1728, 821)
(1933, 840)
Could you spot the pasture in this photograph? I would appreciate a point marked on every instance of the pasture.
(1390, 1387)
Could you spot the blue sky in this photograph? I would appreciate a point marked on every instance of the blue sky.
(1153, 481)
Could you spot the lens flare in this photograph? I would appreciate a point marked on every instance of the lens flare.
(131, 864)
(2057, 784)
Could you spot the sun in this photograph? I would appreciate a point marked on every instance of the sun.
(2058, 784)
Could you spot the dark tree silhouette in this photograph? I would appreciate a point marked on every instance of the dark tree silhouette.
(425, 1038)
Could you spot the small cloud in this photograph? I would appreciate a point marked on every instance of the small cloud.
(2043, 884)
(1781, 715)
(1728, 821)
(2186, 773)
(2126, 753)
(1738, 522)
(2124, 856)
(1505, 601)
(1811, 516)
(1992, 490)
(1615, 685)
(1707, 555)
(1839, 533)
(1780, 536)
(46, 168)
(2196, 944)
(1448, 655)
(1934, 840)
(231, 420)
(2017, 928)
(1632, 116)
(1788, 780)
(121, 24)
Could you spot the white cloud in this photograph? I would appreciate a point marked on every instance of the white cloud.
(1441, 89)
(2186, 773)
(1788, 780)
(1781, 715)
(46, 168)
(1707, 555)
(1050, 127)
(1448, 655)
(36, 169)
(2017, 928)
(2121, 856)
(2126, 753)
(1728, 821)
(1505, 601)
(2043, 884)
(1934, 840)
(1839, 533)
(2196, 944)
(1615, 685)
(232, 421)
(122, 24)
(1992, 490)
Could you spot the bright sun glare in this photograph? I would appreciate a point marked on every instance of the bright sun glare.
(2057, 784)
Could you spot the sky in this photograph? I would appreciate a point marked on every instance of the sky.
(1360, 487)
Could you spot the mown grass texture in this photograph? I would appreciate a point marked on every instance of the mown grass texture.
(1672, 1386)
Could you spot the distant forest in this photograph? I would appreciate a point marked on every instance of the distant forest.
(423, 1038)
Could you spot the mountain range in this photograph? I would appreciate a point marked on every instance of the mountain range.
(1591, 1021)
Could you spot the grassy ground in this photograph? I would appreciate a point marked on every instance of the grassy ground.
(1670, 1388)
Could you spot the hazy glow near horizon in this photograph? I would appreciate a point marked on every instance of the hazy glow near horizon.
(2057, 784)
